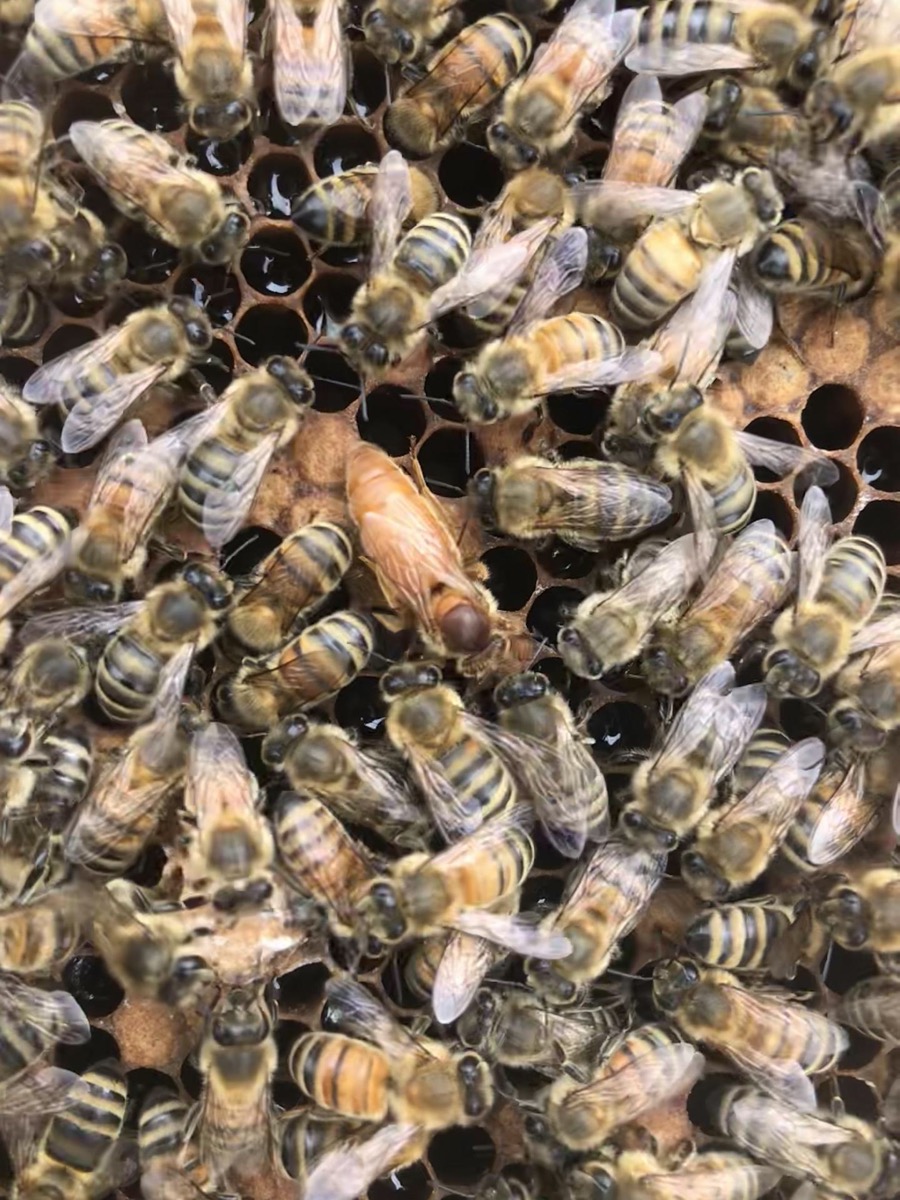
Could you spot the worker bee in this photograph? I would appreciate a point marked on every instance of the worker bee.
(570, 75)
(638, 1174)
(417, 560)
(16, 13)
(640, 1071)
(458, 84)
(169, 1171)
(751, 579)
(454, 758)
(846, 1157)
(306, 671)
(603, 902)
(259, 413)
(288, 585)
(680, 37)
(33, 1022)
(672, 791)
(582, 501)
(378, 1070)
(335, 210)
(611, 628)
(361, 786)
(80, 1155)
(869, 708)
(838, 591)
(399, 31)
(237, 1060)
(320, 859)
(537, 357)
(873, 1007)
(889, 236)
(96, 384)
(514, 1028)
(33, 550)
(348, 1169)
(120, 815)
(38, 936)
(772, 1039)
(133, 486)
(690, 230)
(803, 257)
(151, 183)
(740, 936)
(751, 125)
(310, 60)
(23, 318)
(839, 811)
(25, 457)
(48, 677)
(458, 889)
(736, 842)
(231, 845)
(860, 913)
(413, 280)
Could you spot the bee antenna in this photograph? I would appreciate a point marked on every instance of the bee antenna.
(269, 250)
(626, 975)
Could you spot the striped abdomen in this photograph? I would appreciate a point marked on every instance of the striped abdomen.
(21, 137)
(738, 936)
(467, 76)
(853, 578)
(309, 565)
(320, 856)
(674, 22)
(67, 762)
(801, 255)
(794, 1033)
(127, 678)
(434, 251)
(342, 1074)
(637, 155)
(762, 752)
(38, 937)
(31, 535)
(421, 967)
(209, 469)
(734, 499)
(490, 874)
(660, 270)
(320, 661)
(81, 1138)
(576, 338)
(481, 782)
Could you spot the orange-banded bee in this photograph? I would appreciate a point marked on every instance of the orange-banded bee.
(458, 84)
(400, 30)
(637, 1174)
(304, 672)
(288, 585)
(672, 791)
(736, 842)
(38, 936)
(873, 1007)
(152, 184)
(347, 1170)
(95, 385)
(604, 900)
(862, 912)
(25, 457)
(33, 550)
(310, 60)
(740, 936)
(584, 502)
(335, 210)
(749, 125)
(32, 1022)
(837, 814)
(809, 257)
(776, 1042)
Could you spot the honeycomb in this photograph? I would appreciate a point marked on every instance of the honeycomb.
(830, 379)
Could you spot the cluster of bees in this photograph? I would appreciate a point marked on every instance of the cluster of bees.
(185, 705)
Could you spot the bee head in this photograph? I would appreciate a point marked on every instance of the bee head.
(805, 66)
(667, 412)
(34, 465)
(474, 1026)
(391, 41)
(409, 677)
(221, 121)
(222, 245)
(382, 912)
(472, 399)
(850, 726)
(481, 489)
(788, 675)
(671, 980)
(89, 589)
(724, 97)
(514, 152)
(32, 260)
(293, 379)
(110, 265)
(521, 689)
(215, 589)
(475, 1085)
(279, 741)
(846, 915)
(638, 829)
(577, 654)
(701, 878)
(16, 735)
(664, 673)
(197, 329)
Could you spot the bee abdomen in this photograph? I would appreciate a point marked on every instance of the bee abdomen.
(435, 250)
(478, 777)
(80, 1137)
(341, 1074)
(320, 552)
(32, 535)
(327, 656)
(127, 678)
(658, 273)
(854, 577)
(733, 502)
(737, 936)
(676, 21)
(210, 468)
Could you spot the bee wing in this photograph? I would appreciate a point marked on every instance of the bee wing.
(875, 1009)
(513, 931)
(662, 585)
(776, 798)
(630, 870)
(704, 1184)
(790, 1133)
(93, 417)
(813, 541)
(617, 203)
(348, 1170)
(692, 341)
(559, 272)
(694, 721)
(231, 14)
(362, 1015)
(465, 962)
(225, 510)
(486, 269)
(78, 623)
(50, 383)
(585, 49)
(388, 208)
(217, 773)
(33, 576)
(882, 632)
(494, 832)
(102, 19)
(755, 315)
(633, 364)
(864, 24)
(689, 58)
(129, 456)
(752, 564)
(641, 99)
(682, 124)
(55, 1016)
(310, 73)
(39, 1094)
(846, 818)
(115, 785)
(449, 813)
(496, 225)
(7, 509)
(647, 1081)
(166, 1182)
(784, 459)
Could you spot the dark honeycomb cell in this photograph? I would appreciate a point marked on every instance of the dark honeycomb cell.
(409, 1183)
(17, 370)
(73, 305)
(275, 263)
(833, 416)
(563, 561)
(342, 147)
(880, 519)
(776, 430)
(620, 728)
(842, 494)
(220, 158)
(80, 105)
(78, 1058)
(392, 420)
(878, 459)
(369, 82)
(574, 689)
(275, 183)
(541, 893)
(219, 370)
(191, 1079)
(326, 303)
(578, 412)
(141, 1083)
(552, 609)
(460, 1157)
(146, 870)
(151, 98)
(130, 300)
(449, 458)
(66, 338)
(439, 389)
(801, 719)
(511, 576)
(470, 176)
(577, 449)
(772, 506)
(215, 289)
(150, 260)
(303, 987)
(337, 384)
(359, 707)
(247, 550)
(269, 329)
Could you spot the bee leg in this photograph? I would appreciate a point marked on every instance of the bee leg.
(787, 339)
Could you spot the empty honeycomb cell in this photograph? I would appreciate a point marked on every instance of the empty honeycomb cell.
(801, 719)
(461, 1157)
(17, 370)
(620, 728)
(511, 576)
(191, 1079)
(247, 550)
(878, 459)
(449, 458)
(337, 384)
(81, 104)
(772, 506)
(219, 367)
(833, 416)
(150, 260)
(439, 389)
(141, 1083)
(268, 329)
(99, 75)
(65, 338)
(151, 98)
(776, 430)
(73, 305)
(391, 419)
(861, 1051)
(859, 1097)
(87, 978)
(470, 175)
(275, 182)
(326, 303)
(574, 689)
(359, 707)
(880, 520)
(842, 494)
(274, 263)
(578, 412)
(215, 289)
(146, 870)
(551, 609)
(220, 158)
(563, 561)
(78, 1058)
(368, 87)
(342, 147)
(303, 986)
(577, 449)
(409, 1183)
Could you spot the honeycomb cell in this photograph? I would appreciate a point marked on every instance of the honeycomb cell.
(620, 728)
(17, 370)
(274, 263)
(78, 1058)
(841, 494)
(141, 1083)
(578, 412)
(302, 987)
(439, 389)
(66, 338)
(151, 98)
(219, 368)
(220, 158)
(359, 707)
(511, 576)
(801, 719)
(391, 419)
(470, 175)
(541, 893)
(878, 459)
(70, 304)
(146, 870)
(460, 1157)
(409, 1183)
(833, 416)
(772, 505)
(275, 183)
(247, 550)
(326, 303)
(880, 519)
(342, 147)
(87, 978)
(215, 289)
(368, 88)
(449, 458)
(150, 260)
(269, 329)
(551, 609)
(776, 430)
(337, 384)
(577, 449)
(80, 105)
(575, 690)
(564, 561)
(191, 1079)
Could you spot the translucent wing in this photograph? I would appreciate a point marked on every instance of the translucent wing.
(717, 716)
(846, 818)
(225, 510)
(790, 1133)
(780, 1078)
(754, 318)
(491, 834)
(585, 50)
(449, 813)
(776, 799)
(103, 19)
(361, 1015)
(231, 14)
(633, 364)
(514, 932)
(79, 624)
(631, 872)
(309, 66)
(678, 126)
(465, 962)
(485, 268)
(559, 272)
(217, 769)
(813, 541)
(46, 1091)
(34, 575)
(7, 508)
(647, 1081)
(642, 99)
(758, 563)
(388, 208)
(692, 340)
(346, 1172)
(883, 632)
(693, 1182)
(784, 459)
(93, 417)
(56, 380)
(690, 58)
(614, 203)
(872, 1006)
(130, 438)
(52, 1016)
